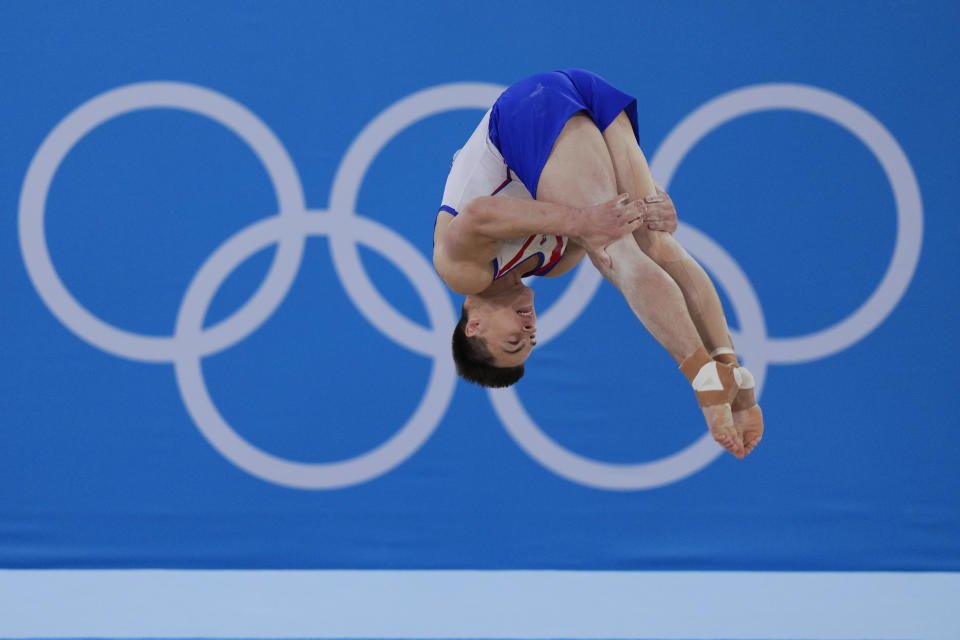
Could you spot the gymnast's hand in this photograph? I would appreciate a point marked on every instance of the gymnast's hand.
(658, 212)
(598, 226)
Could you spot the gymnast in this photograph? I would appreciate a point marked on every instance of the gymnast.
(553, 172)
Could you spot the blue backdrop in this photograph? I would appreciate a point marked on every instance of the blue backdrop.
(161, 407)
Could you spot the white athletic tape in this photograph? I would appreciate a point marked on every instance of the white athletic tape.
(707, 379)
(745, 379)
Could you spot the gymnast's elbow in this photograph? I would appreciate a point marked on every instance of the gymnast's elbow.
(462, 283)
(458, 277)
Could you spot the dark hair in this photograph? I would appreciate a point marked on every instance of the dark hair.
(475, 362)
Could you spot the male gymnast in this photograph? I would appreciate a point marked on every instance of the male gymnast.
(534, 189)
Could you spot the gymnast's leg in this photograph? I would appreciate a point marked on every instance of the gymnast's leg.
(703, 304)
(580, 172)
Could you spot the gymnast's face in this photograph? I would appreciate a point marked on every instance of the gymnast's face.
(506, 321)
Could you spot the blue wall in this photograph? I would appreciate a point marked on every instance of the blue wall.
(820, 192)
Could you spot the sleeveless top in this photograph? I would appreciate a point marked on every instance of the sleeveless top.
(479, 170)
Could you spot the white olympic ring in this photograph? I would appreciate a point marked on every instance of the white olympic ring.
(345, 228)
(99, 110)
(315, 475)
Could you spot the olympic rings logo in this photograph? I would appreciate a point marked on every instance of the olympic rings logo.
(294, 222)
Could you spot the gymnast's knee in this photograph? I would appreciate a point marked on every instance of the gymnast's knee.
(660, 246)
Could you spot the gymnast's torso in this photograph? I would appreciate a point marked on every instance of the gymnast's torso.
(480, 170)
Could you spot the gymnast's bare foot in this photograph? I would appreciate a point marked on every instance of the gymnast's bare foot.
(716, 384)
(723, 428)
(747, 418)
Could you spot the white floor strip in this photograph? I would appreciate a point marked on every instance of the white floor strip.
(479, 604)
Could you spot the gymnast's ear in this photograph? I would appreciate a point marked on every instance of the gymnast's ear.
(473, 327)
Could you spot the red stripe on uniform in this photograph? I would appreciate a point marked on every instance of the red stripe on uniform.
(554, 256)
(557, 252)
(510, 264)
(502, 184)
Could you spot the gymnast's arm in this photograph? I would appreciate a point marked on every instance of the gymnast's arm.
(465, 245)
(492, 219)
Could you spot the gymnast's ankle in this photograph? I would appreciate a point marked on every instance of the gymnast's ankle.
(713, 382)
